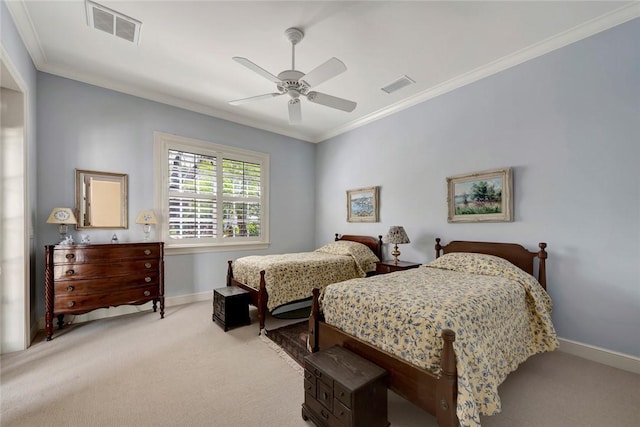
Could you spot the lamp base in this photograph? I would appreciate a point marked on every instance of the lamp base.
(396, 254)
(147, 231)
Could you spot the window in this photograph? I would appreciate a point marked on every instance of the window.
(210, 196)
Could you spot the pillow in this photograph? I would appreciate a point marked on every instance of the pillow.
(472, 263)
(363, 256)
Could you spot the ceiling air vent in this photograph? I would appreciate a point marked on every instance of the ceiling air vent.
(112, 22)
(398, 84)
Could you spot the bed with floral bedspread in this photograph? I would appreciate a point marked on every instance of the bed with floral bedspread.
(292, 277)
(500, 314)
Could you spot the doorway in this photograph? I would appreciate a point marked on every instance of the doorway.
(15, 239)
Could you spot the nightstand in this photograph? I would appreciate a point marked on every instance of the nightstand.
(388, 266)
(231, 307)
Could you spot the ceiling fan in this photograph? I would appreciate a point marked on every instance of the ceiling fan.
(296, 83)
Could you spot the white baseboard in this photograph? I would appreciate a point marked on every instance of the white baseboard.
(601, 355)
(103, 313)
(586, 351)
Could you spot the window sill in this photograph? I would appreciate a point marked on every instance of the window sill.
(197, 249)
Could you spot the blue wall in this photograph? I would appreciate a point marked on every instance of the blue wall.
(569, 124)
(87, 127)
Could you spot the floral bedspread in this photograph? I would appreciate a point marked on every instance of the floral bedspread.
(292, 277)
(500, 314)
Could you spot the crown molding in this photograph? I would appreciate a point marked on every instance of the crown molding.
(616, 17)
(26, 29)
(587, 29)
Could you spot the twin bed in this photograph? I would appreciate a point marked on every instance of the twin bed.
(277, 280)
(448, 332)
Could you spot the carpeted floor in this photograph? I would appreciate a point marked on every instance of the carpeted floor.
(292, 339)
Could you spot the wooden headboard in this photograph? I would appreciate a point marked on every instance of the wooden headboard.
(512, 252)
(374, 244)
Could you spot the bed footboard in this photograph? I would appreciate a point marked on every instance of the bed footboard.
(436, 394)
(258, 297)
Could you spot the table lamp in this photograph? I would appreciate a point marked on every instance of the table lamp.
(146, 218)
(397, 236)
(63, 217)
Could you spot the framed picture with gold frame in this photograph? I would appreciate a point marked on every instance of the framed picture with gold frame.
(362, 205)
(480, 197)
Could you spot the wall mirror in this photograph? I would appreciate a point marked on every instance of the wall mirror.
(101, 199)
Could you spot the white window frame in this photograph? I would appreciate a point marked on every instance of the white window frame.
(162, 143)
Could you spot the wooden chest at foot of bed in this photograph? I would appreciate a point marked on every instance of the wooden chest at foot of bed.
(231, 307)
(341, 389)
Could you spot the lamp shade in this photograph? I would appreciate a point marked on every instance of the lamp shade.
(397, 235)
(62, 216)
(146, 217)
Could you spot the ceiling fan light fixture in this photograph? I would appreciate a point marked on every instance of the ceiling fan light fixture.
(296, 83)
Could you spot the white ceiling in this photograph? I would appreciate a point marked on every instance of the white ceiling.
(185, 50)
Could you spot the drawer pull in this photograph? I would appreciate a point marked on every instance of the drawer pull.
(147, 251)
(147, 279)
(70, 272)
(342, 394)
(318, 373)
(71, 303)
(325, 395)
(70, 256)
(70, 288)
(324, 413)
(147, 293)
(147, 264)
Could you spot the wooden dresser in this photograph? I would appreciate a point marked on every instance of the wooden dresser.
(82, 278)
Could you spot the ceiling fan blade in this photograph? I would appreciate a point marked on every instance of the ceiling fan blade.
(331, 101)
(295, 112)
(254, 98)
(256, 69)
(324, 72)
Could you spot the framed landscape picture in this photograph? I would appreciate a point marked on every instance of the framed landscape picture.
(480, 197)
(362, 205)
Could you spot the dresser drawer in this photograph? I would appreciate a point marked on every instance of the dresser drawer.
(342, 413)
(342, 394)
(82, 254)
(87, 286)
(70, 303)
(317, 408)
(104, 269)
(324, 394)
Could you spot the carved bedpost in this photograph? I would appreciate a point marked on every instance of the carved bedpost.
(48, 292)
(542, 267)
(229, 272)
(438, 247)
(312, 340)
(337, 237)
(262, 301)
(447, 385)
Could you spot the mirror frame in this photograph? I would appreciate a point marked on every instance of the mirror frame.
(81, 208)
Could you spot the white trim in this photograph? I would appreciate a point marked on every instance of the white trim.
(601, 355)
(199, 249)
(26, 29)
(597, 354)
(27, 231)
(162, 142)
(104, 313)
